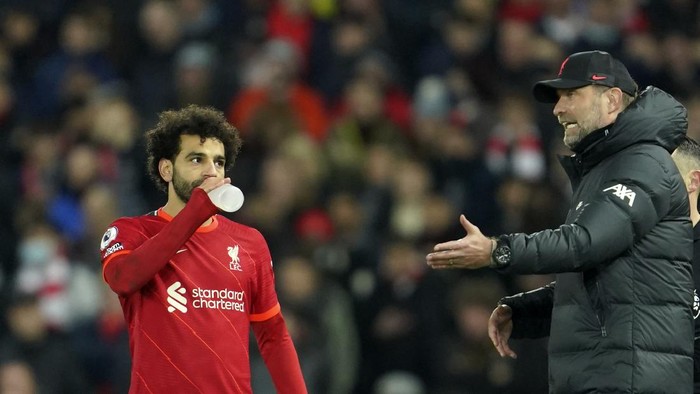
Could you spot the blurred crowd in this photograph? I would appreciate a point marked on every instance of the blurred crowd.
(368, 127)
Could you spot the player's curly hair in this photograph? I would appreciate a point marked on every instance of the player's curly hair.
(163, 140)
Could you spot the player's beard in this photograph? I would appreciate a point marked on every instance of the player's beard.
(182, 188)
(587, 125)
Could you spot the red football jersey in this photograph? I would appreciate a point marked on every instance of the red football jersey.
(189, 326)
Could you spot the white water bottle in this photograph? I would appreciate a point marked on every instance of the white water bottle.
(227, 197)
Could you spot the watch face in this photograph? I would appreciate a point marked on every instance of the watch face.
(502, 255)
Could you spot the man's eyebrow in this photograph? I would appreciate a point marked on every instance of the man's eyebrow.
(194, 154)
(220, 157)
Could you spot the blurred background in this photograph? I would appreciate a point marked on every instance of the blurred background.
(368, 126)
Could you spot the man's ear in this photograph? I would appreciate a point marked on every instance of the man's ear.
(165, 167)
(694, 177)
(615, 99)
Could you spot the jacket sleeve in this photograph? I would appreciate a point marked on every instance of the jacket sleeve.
(532, 312)
(623, 208)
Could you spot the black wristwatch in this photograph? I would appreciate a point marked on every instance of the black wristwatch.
(500, 257)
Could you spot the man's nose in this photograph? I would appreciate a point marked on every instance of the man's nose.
(210, 168)
(558, 108)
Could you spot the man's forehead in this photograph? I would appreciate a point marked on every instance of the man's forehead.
(193, 142)
(196, 138)
(583, 90)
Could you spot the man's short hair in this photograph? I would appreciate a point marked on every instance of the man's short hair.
(163, 140)
(689, 152)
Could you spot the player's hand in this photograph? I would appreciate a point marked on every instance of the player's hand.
(212, 183)
(500, 328)
(471, 252)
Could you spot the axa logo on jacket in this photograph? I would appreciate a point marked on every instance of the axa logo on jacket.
(623, 192)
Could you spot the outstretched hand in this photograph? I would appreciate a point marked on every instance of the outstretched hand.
(500, 328)
(471, 252)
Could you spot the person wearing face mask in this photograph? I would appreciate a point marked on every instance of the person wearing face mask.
(44, 270)
(191, 282)
(687, 158)
(618, 315)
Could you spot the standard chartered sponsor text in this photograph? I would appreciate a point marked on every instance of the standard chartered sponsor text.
(218, 299)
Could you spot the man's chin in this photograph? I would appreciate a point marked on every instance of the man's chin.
(572, 140)
(184, 197)
(571, 144)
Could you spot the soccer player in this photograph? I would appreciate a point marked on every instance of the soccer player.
(191, 282)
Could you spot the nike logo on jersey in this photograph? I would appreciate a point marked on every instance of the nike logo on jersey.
(180, 251)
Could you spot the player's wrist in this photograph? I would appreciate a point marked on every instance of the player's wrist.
(500, 254)
(200, 200)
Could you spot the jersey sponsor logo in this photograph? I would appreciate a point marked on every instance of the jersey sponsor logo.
(223, 299)
(696, 304)
(176, 298)
(117, 246)
(235, 263)
(623, 192)
(109, 236)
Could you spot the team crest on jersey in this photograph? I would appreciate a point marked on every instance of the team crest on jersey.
(109, 236)
(235, 263)
(696, 304)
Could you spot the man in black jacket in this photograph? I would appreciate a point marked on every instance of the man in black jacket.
(618, 315)
(687, 158)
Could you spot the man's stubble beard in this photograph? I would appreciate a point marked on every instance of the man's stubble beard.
(182, 188)
(586, 126)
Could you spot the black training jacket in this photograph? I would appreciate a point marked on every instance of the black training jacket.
(619, 313)
(696, 306)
